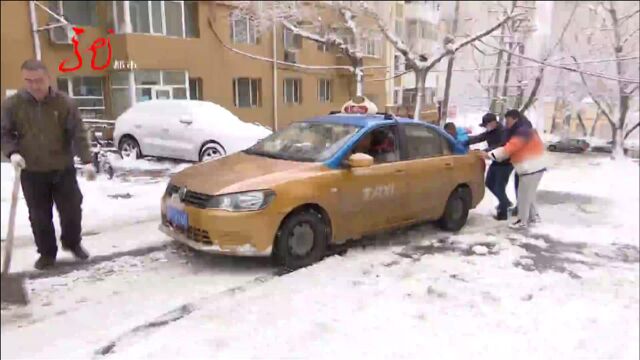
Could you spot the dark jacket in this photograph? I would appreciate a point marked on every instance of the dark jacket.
(495, 138)
(45, 133)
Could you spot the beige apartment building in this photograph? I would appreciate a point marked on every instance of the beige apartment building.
(169, 49)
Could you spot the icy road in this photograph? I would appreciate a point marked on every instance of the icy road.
(567, 289)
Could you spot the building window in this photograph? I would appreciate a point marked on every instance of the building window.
(398, 63)
(170, 18)
(292, 91)
(324, 90)
(243, 30)
(371, 47)
(155, 84)
(247, 92)
(82, 13)
(195, 88)
(87, 93)
(291, 40)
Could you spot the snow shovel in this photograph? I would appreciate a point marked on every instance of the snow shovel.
(12, 288)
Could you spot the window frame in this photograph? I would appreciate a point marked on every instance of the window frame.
(69, 81)
(326, 96)
(257, 91)
(60, 11)
(445, 146)
(397, 133)
(297, 96)
(150, 18)
(249, 25)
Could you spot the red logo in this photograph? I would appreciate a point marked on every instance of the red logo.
(356, 109)
(97, 44)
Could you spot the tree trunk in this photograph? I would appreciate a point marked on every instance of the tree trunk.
(357, 69)
(496, 76)
(581, 122)
(507, 70)
(447, 89)
(421, 76)
(554, 116)
(534, 92)
(592, 133)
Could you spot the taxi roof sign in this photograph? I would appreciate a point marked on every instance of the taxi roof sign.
(359, 105)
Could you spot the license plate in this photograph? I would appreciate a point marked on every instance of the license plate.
(177, 218)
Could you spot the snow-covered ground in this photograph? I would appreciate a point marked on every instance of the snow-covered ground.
(567, 289)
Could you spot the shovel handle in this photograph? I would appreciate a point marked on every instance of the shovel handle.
(8, 246)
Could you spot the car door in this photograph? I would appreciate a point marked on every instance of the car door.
(157, 127)
(188, 130)
(372, 198)
(429, 170)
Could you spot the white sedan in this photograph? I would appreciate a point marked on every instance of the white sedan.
(183, 129)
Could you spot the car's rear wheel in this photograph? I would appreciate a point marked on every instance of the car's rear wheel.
(130, 148)
(302, 240)
(456, 211)
(211, 151)
(552, 148)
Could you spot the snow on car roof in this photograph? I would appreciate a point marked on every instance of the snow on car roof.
(206, 108)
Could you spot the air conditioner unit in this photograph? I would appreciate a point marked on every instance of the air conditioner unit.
(61, 34)
(291, 56)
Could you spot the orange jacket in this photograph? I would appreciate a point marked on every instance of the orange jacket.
(526, 151)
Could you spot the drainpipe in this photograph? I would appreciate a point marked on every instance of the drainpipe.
(34, 30)
(275, 78)
(127, 30)
(127, 17)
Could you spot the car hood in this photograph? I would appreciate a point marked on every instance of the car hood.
(241, 172)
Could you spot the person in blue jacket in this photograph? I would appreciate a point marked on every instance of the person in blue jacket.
(459, 134)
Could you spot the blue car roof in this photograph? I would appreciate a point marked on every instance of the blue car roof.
(364, 121)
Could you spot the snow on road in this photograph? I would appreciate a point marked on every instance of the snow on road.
(567, 289)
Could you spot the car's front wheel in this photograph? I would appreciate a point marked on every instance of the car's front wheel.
(130, 148)
(302, 240)
(211, 151)
(456, 211)
(552, 148)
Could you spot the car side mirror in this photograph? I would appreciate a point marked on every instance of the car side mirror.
(185, 120)
(359, 160)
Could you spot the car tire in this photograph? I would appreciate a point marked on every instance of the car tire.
(552, 148)
(129, 148)
(456, 211)
(301, 240)
(211, 151)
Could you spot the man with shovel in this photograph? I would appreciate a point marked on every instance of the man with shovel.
(41, 128)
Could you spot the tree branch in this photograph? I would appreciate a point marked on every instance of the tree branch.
(595, 100)
(628, 16)
(604, 76)
(452, 49)
(256, 57)
(626, 135)
(628, 37)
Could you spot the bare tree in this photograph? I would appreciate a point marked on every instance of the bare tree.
(444, 109)
(621, 33)
(422, 63)
(331, 24)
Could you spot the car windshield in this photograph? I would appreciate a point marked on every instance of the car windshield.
(305, 141)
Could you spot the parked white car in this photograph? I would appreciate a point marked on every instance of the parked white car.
(183, 129)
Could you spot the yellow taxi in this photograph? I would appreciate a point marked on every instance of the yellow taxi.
(323, 181)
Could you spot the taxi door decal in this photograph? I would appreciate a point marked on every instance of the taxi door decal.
(378, 192)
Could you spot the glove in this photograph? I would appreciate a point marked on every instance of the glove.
(18, 161)
(89, 172)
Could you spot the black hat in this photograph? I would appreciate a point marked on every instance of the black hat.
(487, 118)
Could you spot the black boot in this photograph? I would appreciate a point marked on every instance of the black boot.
(79, 252)
(514, 211)
(44, 262)
(501, 215)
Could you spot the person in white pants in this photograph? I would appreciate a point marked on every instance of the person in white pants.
(526, 151)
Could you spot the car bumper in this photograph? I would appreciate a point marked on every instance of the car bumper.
(217, 231)
(241, 250)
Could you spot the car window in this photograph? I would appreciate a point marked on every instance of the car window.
(381, 144)
(423, 142)
(305, 141)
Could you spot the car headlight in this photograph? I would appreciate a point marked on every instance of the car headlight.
(246, 201)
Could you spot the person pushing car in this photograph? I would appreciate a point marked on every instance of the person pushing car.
(41, 128)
